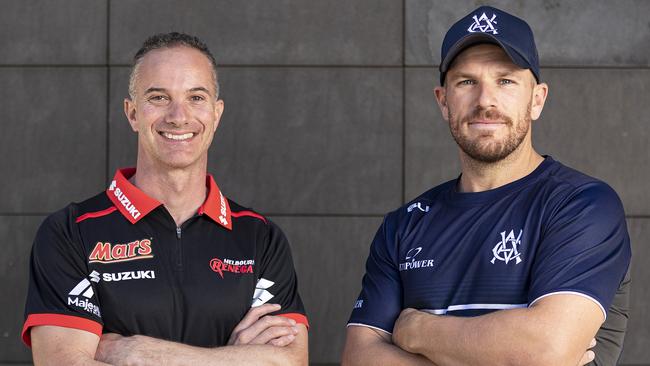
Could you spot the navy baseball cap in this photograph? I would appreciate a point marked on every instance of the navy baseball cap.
(491, 25)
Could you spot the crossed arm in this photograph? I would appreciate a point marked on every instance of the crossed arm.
(556, 330)
(259, 338)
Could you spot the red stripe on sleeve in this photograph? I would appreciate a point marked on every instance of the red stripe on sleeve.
(67, 321)
(299, 318)
(92, 215)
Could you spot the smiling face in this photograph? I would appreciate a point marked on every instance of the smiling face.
(489, 103)
(175, 110)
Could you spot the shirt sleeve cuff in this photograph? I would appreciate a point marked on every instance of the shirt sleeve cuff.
(572, 293)
(299, 318)
(60, 320)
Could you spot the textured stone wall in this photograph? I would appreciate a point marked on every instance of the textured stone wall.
(330, 122)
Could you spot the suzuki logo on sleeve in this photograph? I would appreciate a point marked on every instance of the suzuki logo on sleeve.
(506, 249)
(483, 24)
(261, 296)
(83, 292)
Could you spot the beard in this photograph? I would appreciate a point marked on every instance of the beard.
(490, 151)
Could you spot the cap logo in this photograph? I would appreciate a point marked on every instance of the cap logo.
(483, 24)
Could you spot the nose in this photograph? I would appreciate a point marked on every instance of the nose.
(486, 98)
(177, 114)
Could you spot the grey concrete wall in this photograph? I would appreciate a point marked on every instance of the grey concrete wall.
(330, 122)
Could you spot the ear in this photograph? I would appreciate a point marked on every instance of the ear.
(129, 111)
(441, 97)
(540, 92)
(218, 112)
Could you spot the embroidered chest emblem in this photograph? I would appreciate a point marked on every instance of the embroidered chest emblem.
(506, 250)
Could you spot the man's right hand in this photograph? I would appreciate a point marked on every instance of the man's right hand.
(259, 328)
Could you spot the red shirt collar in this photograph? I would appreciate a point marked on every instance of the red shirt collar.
(135, 204)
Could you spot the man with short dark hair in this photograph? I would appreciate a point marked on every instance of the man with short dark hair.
(162, 268)
(517, 261)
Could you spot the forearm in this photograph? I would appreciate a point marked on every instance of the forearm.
(53, 345)
(499, 338)
(66, 358)
(142, 350)
(389, 354)
(172, 354)
(365, 346)
(507, 337)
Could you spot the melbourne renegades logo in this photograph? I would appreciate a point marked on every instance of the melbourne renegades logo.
(232, 266)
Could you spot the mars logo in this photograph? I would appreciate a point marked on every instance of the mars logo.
(506, 249)
(483, 24)
(111, 253)
(232, 266)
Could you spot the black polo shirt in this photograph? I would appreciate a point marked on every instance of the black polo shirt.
(117, 263)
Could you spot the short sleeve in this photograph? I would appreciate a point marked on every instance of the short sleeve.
(61, 291)
(380, 301)
(277, 283)
(585, 248)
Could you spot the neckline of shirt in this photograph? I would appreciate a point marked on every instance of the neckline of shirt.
(456, 198)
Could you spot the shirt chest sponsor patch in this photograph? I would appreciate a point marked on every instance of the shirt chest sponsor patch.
(414, 262)
(236, 266)
(105, 252)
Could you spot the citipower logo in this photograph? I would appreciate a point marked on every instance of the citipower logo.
(411, 263)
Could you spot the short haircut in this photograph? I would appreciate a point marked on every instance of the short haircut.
(169, 40)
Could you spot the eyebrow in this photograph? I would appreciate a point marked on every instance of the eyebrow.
(163, 90)
(200, 88)
(502, 73)
(155, 90)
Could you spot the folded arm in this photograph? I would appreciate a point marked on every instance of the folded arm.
(367, 346)
(556, 330)
(259, 338)
(142, 350)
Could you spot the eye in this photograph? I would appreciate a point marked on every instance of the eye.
(467, 82)
(197, 98)
(157, 98)
(506, 81)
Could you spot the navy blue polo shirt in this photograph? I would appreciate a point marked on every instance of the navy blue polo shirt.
(118, 263)
(465, 254)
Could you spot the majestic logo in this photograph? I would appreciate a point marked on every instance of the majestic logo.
(506, 250)
(124, 200)
(261, 296)
(483, 24)
(417, 205)
(232, 266)
(358, 304)
(81, 294)
(111, 253)
(410, 262)
(223, 211)
(132, 275)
